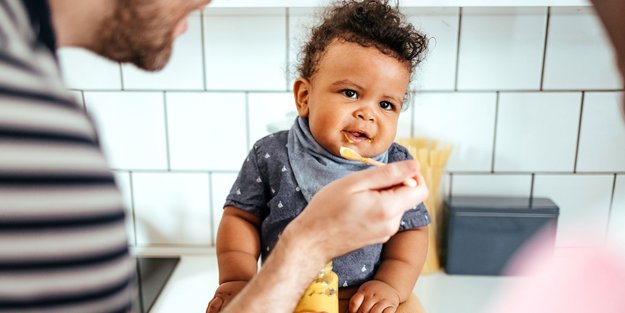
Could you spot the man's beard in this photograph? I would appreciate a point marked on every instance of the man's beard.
(138, 32)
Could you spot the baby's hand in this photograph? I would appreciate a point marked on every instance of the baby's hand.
(224, 293)
(374, 296)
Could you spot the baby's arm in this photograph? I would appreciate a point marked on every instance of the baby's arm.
(238, 245)
(402, 260)
(238, 248)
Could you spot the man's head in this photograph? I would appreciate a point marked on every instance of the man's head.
(140, 32)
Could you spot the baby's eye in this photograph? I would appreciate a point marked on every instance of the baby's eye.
(387, 106)
(350, 93)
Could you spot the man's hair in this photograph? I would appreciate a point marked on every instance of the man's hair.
(367, 23)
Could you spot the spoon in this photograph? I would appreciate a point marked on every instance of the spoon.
(351, 154)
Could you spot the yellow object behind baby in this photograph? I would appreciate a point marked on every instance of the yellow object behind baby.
(433, 159)
(322, 294)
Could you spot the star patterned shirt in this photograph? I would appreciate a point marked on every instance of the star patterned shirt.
(266, 187)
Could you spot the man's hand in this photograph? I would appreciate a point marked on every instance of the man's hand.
(224, 293)
(374, 296)
(375, 199)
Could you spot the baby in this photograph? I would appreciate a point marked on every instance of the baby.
(354, 77)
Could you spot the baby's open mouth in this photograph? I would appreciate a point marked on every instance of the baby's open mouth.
(356, 136)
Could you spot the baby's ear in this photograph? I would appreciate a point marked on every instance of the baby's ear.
(301, 92)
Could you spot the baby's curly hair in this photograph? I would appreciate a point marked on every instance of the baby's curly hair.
(367, 23)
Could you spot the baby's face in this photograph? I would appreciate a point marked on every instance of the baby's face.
(354, 99)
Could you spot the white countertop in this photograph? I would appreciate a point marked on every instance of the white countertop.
(190, 287)
(195, 279)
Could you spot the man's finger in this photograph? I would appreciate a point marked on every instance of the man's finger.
(407, 197)
(382, 177)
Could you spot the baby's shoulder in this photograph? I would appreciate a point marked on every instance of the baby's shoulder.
(272, 144)
(398, 152)
(274, 140)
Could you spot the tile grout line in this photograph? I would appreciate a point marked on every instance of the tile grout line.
(203, 41)
(579, 131)
(211, 208)
(84, 100)
(287, 70)
(132, 204)
(532, 185)
(121, 77)
(458, 49)
(247, 121)
(139, 282)
(451, 183)
(542, 70)
(166, 117)
(610, 208)
(492, 164)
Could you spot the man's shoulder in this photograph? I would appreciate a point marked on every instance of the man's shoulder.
(13, 16)
(16, 31)
(30, 70)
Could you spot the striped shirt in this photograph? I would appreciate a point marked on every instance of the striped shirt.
(63, 243)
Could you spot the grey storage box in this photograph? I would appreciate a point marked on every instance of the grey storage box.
(483, 233)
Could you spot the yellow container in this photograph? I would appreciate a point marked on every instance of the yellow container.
(433, 159)
(322, 295)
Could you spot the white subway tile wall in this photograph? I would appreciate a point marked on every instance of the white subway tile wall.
(440, 25)
(602, 133)
(528, 97)
(465, 120)
(132, 128)
(501, 48)
(172, 208)
(537, 131)
(205, 130)
(578, 52)
(492, 184)
(88, 71)
(404, 124)
(269, 112)
(245, 49)
(301, 21)
(584, 202)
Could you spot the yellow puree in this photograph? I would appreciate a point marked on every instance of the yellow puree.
(322, 294)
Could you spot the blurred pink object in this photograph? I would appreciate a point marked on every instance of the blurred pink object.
(573, 280)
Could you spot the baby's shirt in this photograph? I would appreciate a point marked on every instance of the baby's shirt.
(267, 188)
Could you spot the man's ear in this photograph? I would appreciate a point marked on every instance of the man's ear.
(301, 92)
